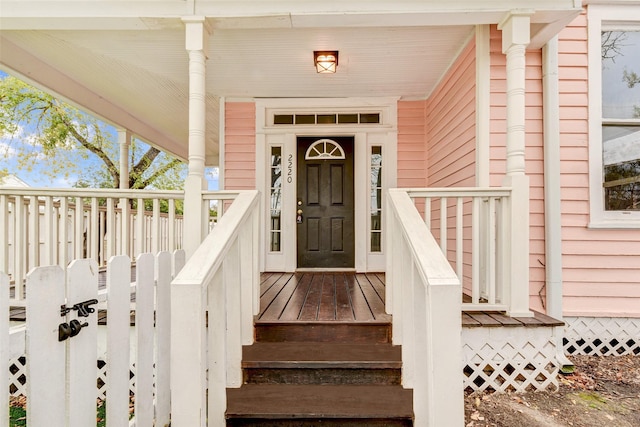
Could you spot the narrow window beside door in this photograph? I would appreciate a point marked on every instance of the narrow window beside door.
(376, 199)
(276, 198)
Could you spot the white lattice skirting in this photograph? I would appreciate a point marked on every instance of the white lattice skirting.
(602, 336)
(510, 358)
(18, 378)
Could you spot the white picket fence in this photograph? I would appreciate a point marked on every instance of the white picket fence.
(62, 376)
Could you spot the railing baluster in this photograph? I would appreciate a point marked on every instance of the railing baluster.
(427, 212)
(19, 237)
(475, 252)
(172, 225)
(94, 231)
(140, 227)
(125, 229)
(459, 239)
(443, 225)
(110, 232)
(491, 252)
(4, 234)
(48, 241)
(34, 232)
(155, 242)
(79, 229)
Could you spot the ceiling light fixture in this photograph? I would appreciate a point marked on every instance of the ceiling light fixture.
(326, 60)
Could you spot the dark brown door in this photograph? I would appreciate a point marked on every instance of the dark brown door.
(325, 197)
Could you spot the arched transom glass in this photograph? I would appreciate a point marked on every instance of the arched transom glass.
(324, 149)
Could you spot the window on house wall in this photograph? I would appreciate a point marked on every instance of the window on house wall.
(376, 198)
(620, 55)
(275, 199)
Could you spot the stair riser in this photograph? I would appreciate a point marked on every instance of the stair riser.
(321, 422)
(322, 376)
(338, 333)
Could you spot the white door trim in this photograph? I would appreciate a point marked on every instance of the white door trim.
(365, 136)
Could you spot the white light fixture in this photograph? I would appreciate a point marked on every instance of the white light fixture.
(326, 60)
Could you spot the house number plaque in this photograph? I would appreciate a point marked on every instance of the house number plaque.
(290, 168)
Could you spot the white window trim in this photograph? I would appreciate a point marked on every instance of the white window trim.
(604, 16)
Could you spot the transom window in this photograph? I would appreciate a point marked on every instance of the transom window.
(621, 119)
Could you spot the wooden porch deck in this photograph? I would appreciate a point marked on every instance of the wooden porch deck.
(353, 297)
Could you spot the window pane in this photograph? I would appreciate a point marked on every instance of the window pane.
(305, 119)
(621, 119)
(621, 74)
(283, 119)
(324, 119)
(375, 168)
(621, 158)
(347, 118)
(276, 197)
(370, 118)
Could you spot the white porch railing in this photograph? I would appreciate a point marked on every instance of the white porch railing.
(424, 296)
(214, 299)
(42, 226)
(471, 226)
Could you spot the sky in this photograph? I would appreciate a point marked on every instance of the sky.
(36, 178)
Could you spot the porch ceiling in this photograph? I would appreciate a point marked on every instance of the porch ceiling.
(133, 71)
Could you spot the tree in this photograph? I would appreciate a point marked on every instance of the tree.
(64, 136)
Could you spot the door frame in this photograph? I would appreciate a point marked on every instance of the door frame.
(268, 135)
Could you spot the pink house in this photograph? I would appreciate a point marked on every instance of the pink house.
(488, 146)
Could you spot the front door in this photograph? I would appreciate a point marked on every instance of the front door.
(325, 202)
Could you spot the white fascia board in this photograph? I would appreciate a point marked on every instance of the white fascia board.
(109, 14)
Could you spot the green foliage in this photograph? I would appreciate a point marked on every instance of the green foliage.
(65, 137)
(17, 416)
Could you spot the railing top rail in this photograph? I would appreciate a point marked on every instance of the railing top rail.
(459, 192)
(220, 195)
(93, 192)
(113, 192)
(430, 262)
(210, 254)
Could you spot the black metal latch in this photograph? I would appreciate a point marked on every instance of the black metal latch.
(73, 328)
(83, 308)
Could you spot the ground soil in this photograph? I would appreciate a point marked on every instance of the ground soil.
(601, 392)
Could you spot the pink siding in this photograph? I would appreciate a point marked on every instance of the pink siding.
(451, 145)
(601, 268)
(451, 135)
(240, 146)
(534, 153)
(411, 144)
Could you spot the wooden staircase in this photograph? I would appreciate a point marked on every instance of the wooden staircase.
(321, 373)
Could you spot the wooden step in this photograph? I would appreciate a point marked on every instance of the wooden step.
(322, 405)
(374, 332)
(321, 363)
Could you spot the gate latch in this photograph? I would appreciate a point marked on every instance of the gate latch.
(83, 308)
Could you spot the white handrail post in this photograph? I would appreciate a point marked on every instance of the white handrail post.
(188, 355)
(445, 398)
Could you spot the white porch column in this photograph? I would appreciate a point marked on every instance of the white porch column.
(197, 34)
(124, 141)
(515, 38)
